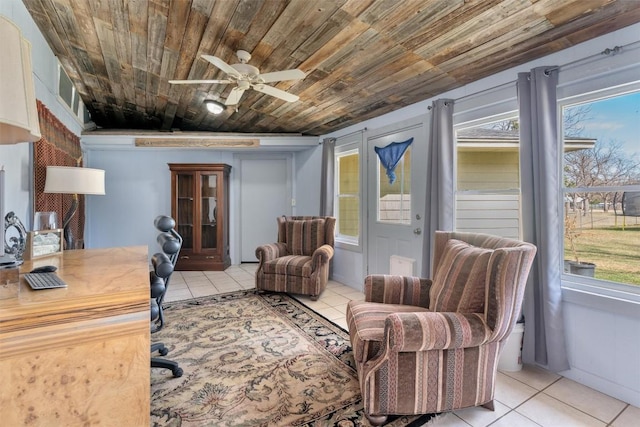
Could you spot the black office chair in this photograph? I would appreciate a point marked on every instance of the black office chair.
(163, 265)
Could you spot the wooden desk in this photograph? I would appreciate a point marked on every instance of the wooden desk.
(80, 355)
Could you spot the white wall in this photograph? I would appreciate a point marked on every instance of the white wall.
(15, 159)
(603, 342)
(306, 182)
(347, 268)
(138, 187)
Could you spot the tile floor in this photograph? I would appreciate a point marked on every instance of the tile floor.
(528, 398)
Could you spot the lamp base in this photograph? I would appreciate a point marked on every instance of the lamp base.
(66, 224)
(70, 242)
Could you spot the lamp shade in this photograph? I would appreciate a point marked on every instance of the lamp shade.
(74, 180)
(18, 109)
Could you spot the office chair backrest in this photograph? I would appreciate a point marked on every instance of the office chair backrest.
(169, 239)
(163, 264)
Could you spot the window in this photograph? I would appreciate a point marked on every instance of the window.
(601, 188)
(394, 199)
(70, 96)
(347, 194)
(65, 88)
(488, 179)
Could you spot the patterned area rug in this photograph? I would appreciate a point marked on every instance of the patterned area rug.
(254, 359)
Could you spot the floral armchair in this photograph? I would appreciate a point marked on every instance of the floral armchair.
(432, 345)
(299, 261)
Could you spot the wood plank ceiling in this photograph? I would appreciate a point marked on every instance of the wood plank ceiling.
(363, 58)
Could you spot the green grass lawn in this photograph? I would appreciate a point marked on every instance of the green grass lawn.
(614, 250)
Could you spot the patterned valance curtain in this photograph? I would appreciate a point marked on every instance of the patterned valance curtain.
(57, 147)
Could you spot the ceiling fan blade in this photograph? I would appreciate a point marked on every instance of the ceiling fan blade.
(278, 76)
(189, 82)
(234, 96)
(270, 90)
(222, 65)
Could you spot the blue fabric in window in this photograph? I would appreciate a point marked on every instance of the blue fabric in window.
(391, 155)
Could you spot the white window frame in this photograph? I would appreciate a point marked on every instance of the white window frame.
(586, 284)
(349, 145)
(488, 106)
(79, 113)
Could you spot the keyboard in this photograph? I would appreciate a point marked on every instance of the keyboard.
(44, 281)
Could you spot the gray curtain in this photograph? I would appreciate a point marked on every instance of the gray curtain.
(327, 177)
(439, 209)
(540, 157)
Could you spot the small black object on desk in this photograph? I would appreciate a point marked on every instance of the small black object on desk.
(44, 269)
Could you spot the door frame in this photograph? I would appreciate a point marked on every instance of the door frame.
(421, 124)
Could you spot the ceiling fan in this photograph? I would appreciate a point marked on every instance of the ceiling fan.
(247, 76)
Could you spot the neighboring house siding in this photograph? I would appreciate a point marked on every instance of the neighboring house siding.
(489, 213)
(488, 170)
(481, 205)
(395, 208)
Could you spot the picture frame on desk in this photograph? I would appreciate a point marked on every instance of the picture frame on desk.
(43, 243)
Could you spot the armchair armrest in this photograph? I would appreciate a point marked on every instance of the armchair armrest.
(321, 256)
(421, 331)
(391, 289)
(270, 252)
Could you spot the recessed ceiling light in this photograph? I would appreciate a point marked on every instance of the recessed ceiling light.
(213, 106)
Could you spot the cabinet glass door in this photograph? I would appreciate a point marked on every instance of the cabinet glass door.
(209, 214)
(185, 203)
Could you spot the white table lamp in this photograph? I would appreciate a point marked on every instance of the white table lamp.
(73, 180)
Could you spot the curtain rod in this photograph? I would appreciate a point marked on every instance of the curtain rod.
(608, 52)
(484, 92)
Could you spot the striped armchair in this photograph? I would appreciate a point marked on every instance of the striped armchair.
(299, 262)
(432, 345)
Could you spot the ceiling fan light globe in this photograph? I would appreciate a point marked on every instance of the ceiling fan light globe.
(214, 107)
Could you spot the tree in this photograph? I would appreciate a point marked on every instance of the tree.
(573, 121)
(606, 164)
(506, 125)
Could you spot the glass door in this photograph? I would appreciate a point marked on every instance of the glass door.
(185, 202)
(209, 210)
(398, 200)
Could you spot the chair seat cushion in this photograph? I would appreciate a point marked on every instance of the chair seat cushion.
(366, 325)
(292, 265)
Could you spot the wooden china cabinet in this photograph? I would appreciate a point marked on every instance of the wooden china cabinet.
(200, 206)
